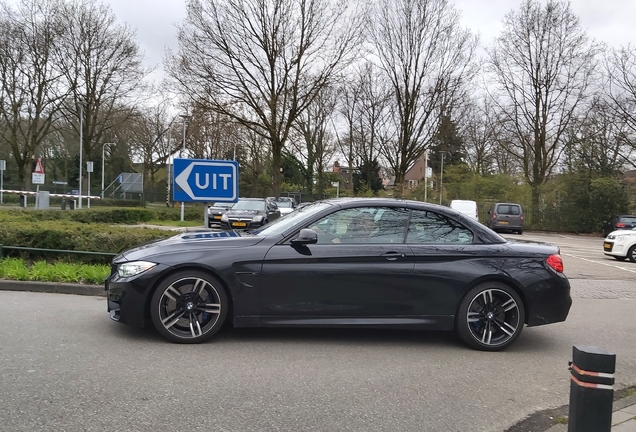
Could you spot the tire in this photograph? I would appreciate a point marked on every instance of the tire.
(631, 254)
(182, 315)
(490, 317)
(520, 232)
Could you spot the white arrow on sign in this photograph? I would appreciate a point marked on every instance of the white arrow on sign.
(182, 180)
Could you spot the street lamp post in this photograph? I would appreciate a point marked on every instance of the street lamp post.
(103, 155)
(185, 118)
(441, 178)
(89, 170)
(81, 104)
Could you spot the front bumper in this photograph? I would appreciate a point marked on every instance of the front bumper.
(615, 249)
(128, 299)
(239, 225)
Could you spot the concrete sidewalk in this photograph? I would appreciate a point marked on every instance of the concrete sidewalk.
(623, 417)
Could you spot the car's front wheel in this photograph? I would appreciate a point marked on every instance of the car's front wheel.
(631, 254)
(189, 306)
(490, 317)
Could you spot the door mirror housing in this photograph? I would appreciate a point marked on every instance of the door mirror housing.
(305, 236)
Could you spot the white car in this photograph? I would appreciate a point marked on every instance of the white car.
(621, 245)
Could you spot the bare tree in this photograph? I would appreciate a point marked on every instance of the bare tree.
(479, 131)
(103, 66)
(427, 59)
(541, 65)
(262, 62)
(601, 143)
(31, 87)
(621, 87)
(314, 125)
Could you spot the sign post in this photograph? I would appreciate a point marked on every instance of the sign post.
(337, 186)
(205, 180)
(37, 178)
(3, 166)
(89, 170)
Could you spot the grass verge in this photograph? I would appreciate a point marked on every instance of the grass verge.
(19, 269)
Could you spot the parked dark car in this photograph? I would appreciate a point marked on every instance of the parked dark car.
(249, 213)
(505, 217)
(215, 211)
(621, 222)
(376, 263)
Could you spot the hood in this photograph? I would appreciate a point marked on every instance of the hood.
(627, 232)
(187, 242)
(244, 212)
(285, 210)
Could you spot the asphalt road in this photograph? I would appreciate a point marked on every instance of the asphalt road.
(65, 366)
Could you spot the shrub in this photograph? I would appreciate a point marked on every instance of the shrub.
(68, 235)
(114, 216)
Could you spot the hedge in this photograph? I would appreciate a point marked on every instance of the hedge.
(68, 235)
(111, 215)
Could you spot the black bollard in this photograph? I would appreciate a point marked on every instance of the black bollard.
(591, 390)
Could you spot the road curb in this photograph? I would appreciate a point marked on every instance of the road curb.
(53, 287)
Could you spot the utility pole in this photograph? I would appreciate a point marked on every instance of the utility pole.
(441, 178)
(81, 104)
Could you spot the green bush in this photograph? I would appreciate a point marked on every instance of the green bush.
(67, 235)
(113, 216)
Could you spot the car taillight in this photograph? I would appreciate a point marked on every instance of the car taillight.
(555, 262)
(521, 217)
(620, 225)
(494, 216)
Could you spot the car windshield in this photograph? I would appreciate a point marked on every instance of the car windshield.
(629, 220)
(283, 203)
(295, 218)
(249, 205)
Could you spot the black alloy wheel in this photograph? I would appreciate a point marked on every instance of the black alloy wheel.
(631, 254)
(490, 317)
(189, 306)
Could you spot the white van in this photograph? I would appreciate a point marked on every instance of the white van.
(469, 208)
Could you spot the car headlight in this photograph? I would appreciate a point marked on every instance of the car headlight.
(134, 268)
(620, 238)
(257, 218)
(224, 218)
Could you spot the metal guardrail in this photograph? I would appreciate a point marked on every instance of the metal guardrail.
(30, 249)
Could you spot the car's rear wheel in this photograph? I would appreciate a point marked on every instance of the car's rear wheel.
(490, 317)
(631, 254)
(189, 306)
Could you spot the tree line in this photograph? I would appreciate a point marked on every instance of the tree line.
(289, 86)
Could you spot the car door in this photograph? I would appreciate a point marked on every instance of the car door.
(446, 260)
(342, 276)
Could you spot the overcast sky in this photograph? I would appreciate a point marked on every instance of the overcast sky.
(610, 21)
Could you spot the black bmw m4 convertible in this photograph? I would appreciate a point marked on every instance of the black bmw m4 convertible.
(350, 262)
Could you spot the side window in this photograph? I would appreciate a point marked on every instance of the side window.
(362, 225)
(429, 227)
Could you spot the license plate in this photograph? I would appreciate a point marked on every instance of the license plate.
(503, 222)
(217, 217)
(239, 224)
(607, 246)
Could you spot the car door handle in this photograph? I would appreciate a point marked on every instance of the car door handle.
(392, 256)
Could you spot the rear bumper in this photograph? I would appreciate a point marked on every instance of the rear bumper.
(549, 301)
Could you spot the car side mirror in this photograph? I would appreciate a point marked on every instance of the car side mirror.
(305, 236)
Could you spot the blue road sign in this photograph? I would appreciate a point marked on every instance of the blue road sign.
(205, 180)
